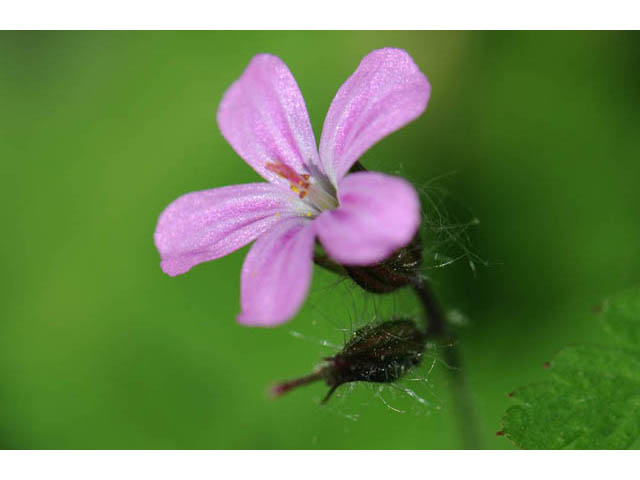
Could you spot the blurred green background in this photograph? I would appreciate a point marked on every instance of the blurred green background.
(535, 133)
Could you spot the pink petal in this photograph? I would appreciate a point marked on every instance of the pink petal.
(378, 214)
(264, 118)
(201, 226)
(277, 273)
(386, 92)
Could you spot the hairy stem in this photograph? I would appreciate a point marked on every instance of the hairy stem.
(383, 278)
(437, 328)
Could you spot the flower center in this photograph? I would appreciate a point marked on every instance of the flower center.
(311, 189)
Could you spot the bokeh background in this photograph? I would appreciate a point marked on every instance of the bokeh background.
(535, 134)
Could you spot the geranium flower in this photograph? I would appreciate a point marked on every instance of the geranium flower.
(359, 218)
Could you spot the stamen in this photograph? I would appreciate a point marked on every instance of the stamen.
(288, 173)
(302, 185)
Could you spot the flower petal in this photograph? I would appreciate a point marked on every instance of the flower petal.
(277, 273)
(264, 118)
(378, 214)
(386, 92)
(209, 224)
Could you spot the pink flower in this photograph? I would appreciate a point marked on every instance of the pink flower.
(359, 218)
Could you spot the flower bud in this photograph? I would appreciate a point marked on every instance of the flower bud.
(377, 353)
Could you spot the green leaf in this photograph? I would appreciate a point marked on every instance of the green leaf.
(622, 318)
(592, 396)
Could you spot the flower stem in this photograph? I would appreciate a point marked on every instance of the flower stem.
(438, 328)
